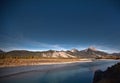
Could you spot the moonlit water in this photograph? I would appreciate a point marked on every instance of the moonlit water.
(80, 73)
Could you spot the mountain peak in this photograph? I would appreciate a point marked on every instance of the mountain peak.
(92, 48)
(74, 50)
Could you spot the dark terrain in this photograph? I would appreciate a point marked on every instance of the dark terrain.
(111, 75)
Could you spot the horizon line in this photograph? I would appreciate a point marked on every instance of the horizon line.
(56, 50)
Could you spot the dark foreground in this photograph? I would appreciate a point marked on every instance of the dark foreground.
(111, 75)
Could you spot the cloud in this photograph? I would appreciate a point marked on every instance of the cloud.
(21, 43)
(107, 48)
(46, 45)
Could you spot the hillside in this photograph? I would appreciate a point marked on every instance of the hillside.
(74, 53)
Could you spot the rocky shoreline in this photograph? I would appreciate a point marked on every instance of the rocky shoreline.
(111, 75)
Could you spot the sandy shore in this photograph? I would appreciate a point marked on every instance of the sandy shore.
(27, 62)
(12, 70)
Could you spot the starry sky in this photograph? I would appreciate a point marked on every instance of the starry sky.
(59, 24)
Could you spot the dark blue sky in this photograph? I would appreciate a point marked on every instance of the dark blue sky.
(60, 24)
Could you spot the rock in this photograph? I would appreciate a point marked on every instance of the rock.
(111, 75)
(97, 76)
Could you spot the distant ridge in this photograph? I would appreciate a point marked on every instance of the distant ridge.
(1, 51)
(90, 52)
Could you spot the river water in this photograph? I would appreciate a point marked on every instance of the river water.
(80, 73)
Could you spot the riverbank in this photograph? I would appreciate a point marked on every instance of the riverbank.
(9, 70)
(28, 62)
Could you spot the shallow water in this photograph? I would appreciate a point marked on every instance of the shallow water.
(80, 73)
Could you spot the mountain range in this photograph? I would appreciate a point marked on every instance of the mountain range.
(74, 53)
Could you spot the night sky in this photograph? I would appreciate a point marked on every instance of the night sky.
(59, 24)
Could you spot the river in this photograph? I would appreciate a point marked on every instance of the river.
(80, 73)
